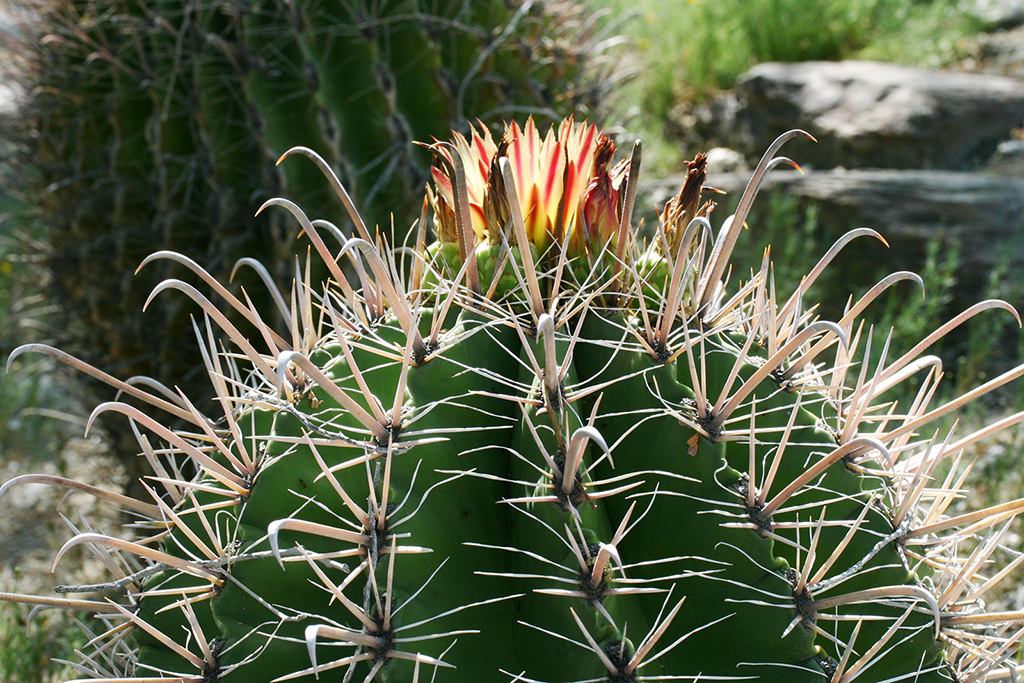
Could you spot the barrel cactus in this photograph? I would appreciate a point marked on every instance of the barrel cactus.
(155, 125)
(540, 448)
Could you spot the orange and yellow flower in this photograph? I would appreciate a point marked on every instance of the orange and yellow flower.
(553, 175)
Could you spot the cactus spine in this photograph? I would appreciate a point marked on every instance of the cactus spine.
(540, 450)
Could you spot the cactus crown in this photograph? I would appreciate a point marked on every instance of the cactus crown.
(540, 449)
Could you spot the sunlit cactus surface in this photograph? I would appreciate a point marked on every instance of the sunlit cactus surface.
(531, 445)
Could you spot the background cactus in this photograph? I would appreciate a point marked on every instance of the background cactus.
(155, 125)
(541, 450)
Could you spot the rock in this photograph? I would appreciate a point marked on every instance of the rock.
(983, 214)
(1008, 159)
(999, 14)
(868, 114)
(723, 160)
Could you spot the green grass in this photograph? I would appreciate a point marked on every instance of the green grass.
(930, 34)
(687, 50)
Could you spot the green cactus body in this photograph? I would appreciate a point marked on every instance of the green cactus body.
(630, 476)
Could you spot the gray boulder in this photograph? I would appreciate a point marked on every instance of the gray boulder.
(868, 114)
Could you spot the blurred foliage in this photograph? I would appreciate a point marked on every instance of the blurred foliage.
(685, 52)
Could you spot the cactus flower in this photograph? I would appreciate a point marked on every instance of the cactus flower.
(551, 175)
